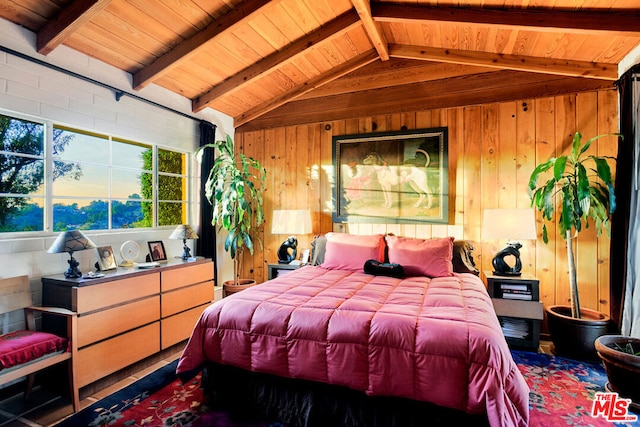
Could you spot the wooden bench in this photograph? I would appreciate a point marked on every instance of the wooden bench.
(24, 353)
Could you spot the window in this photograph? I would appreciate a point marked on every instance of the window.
(97, 182)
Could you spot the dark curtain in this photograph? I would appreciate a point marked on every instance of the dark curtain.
(620, 218)
(206, 244)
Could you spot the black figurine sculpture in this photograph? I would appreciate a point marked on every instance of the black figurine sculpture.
(500, 266)
(288, 250)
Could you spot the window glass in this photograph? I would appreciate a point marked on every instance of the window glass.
(132, 155)
(129, 214)
(127, 184)
(82, 146)
(90, 181)
(171, 213)
(97, 182)
(171, 162)
(21, 173)
(22, 136)
(84, 215)
(172, 187)
(21, 214)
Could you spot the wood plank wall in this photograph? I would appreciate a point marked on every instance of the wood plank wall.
(492, 150)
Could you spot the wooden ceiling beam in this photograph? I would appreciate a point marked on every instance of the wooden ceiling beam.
(499, 86)
(337, 72)
(334, 28)
(372, 28)
(395, 72)
(243, 12)
(72, 17)
(557, 20)
(562, 67)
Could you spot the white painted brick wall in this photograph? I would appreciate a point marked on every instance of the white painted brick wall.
(35, 90)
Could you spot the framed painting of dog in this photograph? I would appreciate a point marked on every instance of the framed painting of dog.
(391, 177)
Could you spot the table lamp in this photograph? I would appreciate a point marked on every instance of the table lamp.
(511, 224)
(71, 241)
(184, 232)
(291, 222)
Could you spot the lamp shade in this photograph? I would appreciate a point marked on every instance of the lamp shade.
(293, 221)
(71, 241)
(182, 232)
(513, 224)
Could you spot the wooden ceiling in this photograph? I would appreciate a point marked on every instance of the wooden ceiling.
(281, 62)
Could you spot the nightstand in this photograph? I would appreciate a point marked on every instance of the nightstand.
(276, 270)
(516, 300)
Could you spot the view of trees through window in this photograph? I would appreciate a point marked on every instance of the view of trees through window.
(97, 182)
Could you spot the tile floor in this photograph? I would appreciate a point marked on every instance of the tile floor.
(45, 408)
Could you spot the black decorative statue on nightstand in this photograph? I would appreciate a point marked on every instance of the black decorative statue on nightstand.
(288, 250)
(500, 266)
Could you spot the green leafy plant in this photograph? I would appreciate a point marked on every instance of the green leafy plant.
(627, 348)
(583, 185)
(234, 188)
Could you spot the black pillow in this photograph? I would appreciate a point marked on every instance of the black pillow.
(383, 269)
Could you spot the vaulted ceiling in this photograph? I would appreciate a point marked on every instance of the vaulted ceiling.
(280, 62)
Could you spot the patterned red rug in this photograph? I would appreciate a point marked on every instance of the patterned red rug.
(562, 393)
(562, 390)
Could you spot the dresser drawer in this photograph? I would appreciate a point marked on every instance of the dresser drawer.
(179, 327)
(185, 298)
(107, 357)
(107, 323)
(104, 295)
(180, 277)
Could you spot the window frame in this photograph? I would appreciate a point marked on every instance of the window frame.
(48, 196)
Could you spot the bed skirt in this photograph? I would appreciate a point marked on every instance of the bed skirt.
(250, 396)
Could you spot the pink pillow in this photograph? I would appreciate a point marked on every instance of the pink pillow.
(350, 251)
(422, 257)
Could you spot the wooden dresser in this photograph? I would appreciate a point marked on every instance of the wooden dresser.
(130, 313)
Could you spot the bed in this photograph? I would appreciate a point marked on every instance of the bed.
(428, 335)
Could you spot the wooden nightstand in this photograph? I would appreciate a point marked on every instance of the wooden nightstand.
(516, 300)
(276, 270)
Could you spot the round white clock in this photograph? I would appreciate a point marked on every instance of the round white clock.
(129, 251)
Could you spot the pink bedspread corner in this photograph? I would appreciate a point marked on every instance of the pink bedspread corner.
(436, 340)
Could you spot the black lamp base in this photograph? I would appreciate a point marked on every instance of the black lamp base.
(500, 266)
(186, 254)
(73, 272)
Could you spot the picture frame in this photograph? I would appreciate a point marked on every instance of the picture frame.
(391, 177)
(156, 251)
(304, 259)
(106, 258)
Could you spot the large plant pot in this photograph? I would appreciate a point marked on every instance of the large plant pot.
(623, 369)
(575, 338)
(230, 287)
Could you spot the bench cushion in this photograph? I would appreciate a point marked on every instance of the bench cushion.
(19, 347)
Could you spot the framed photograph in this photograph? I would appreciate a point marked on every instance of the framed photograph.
(106, 259)
(391, 177)
(156, 251)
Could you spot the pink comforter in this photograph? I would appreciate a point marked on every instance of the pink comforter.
(435, 340)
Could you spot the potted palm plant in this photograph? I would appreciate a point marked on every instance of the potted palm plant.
(583, 187)
(234, 188)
